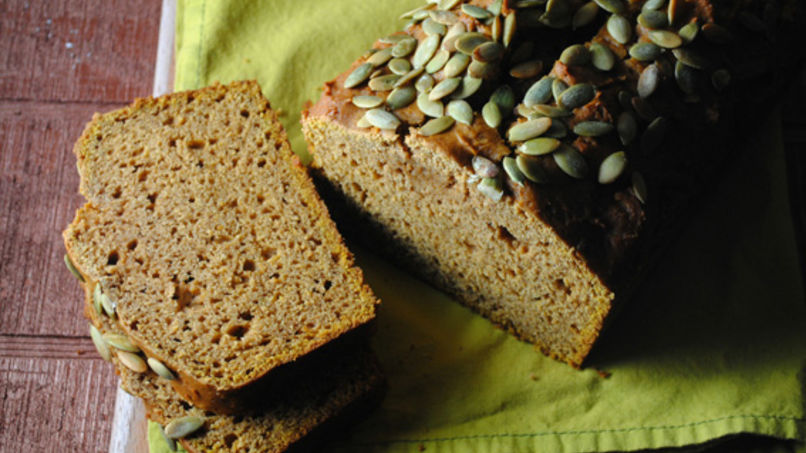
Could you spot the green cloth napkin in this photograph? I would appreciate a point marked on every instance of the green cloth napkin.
(713, 345)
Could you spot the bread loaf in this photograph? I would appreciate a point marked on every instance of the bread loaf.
(536, 155)
(209, 247)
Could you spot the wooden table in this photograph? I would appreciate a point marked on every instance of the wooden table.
(62, 60)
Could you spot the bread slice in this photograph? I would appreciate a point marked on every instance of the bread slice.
(349, 386)
(210, 244)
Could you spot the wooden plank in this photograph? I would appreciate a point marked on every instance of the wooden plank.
(51, 404)
(38, 198)
(73, 50)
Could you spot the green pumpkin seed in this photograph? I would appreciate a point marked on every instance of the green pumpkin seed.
(571, 161)
(639, 187)
(527, 69)
(593, 128)
(495, 7)
(476, 12)
(382, 119)
(558, 7)
(399, 66)
(438, 61)
(495, 29)
(686, 77)
(720, 79)
(528, 129)
(376, 73)
(577, 95)
(643, 108)
(627, 127)
(460, 111)
(672, 11)
(511, 169)
(557, 88)
(456, 30)
(491, 188)
(688, 32)
(100, 344)
(665, 38)
(504, 97)
(367, 102)
(380, 57)
(436, 126)
(691, 58)
(585, 15)
(121, 342)
(551, 111)
(652, 5)
(468, 87)
(183, 426)
(625, 99)
(425, 51)
(717, 34)
(394, 38)
(159, 368)
(523, 4)
(653, 19)
(481, 70)
(648, 81)
(96, 299)
(557, 130)
(425, 83)
(654, 134)
(444, 88)
(539, 92)
(488, 52)
(358, 75)
(434, 109)
(531, 168)
(491, 114)
(619, 28)
(612, 167)
(444, 17)
(110, 307)
(132, 361)
(447, 4)
(456, 65)
(612, 6)
(602, 58)
(384, 82)
(171, 443)
(575, 55)
(484, 167)
(509, 29)
(72, 268)
(401, 97)
(645, 51)
(406, 78)
(539, 146)
(467, 42)
(404, 47)
(432, 27)
(362, 122)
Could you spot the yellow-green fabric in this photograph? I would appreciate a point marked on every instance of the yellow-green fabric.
(714, 344)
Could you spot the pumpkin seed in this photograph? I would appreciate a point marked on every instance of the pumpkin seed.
(522, 4)
(522, 53)
(424, 83)
(612, 167)
(557, 88)
(558, 7)
(425, 51)
(382, 119)
(456, 30)
(577, 95)
(531, 168)
(557, 130)
(491, 188)
(358, 75)
(653, 19)
(444, 88)
(654, 134)
(575, 55)
(528, 129)
(717, 34)
(691, 58)
(645, 51)
(551, 111)
(460, 111)
(394, 38)
(539, 92)
(401, 97)
(410, 14)
(593, 128)
(504, 97)
(132, 361)
(447, 4)
(495, 7)
(468, 87)
(430, 108)
(625, 99)
(571, 161)
(100, 344)
(484, 167)
(404, 47)
(384, 82)
(476, 12)
(443, 17)
(627, 127)
(121, 342)
(438, 61)
(171, 443)
(467, 42)
(481, 70)
(652, 5)
(612, 6)
(72, 268)
(408, 77)
(686, 77)
(183, 426)
(380, 57)
(376, 73)
(509, 29)
(432, 27)
(643, 108)
(602, 57)
(665, 38)
(488, 52)
(511, 169)
(689, 32)
(491, 114)
(720, 79)
(527, 69)
(159, 368)
(399, 66)
(619, 28)
(648, 81)
(367, 102)
(639, 187)
(436, 126)
(584, 15)
(672, 11)
(539, 146)
(456, 65)
(362, 122)
(495, 29)
(96, 299)
(110, 307)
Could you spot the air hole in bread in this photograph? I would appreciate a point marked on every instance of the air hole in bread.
(183, 296)
(238, 330)
(245, 113)
(117, 193)
(112, 258)
(246, 316)
(132, 244)
(249, 266)
(506, 236)
(230, 439)
(200, 163)
(142, 176)
(196, 144)
(261, 163)
(328, 284)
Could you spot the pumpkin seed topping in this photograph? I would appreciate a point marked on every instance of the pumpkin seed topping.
(491, 188)
(183, 426)
(612, 167)
(358, 75)
(652, 5)
(531, 168)
(110, 307)
(602, 58)
(527, 69)
(425, 51)
(476, 12)
(456, 65)
(639, 187)
(505, 98)
(424, 83)
(160, 368)
(447, 4)
(132, 361)
(571, 161)
(665, 38)
(362, 122)
(401, 97)
(593, 128)
(438, 61)
(489, 52)
(495, 28)
(584, 15)
(100, 344)
(557, 88)
(432, 27)
(460, 111)
(539, 146)
(691, 58)
(121, 342)
(380, 57)
(653, 19)
(539, 92)
(443, 17)
(404, 47)
(491, 114)
(484, 167)
(436, 126)
(456, 30)
(557, 130)
(384, 82)
(509, 29)
(551, 111)
(434, 109)
(467, 42)
(528, 129)
(686, 77)
(408, 77)
(382, 119)
(619, 28)
(96, 299)
(399, 66)
(688, 32)
(72, 268)
(511, 169)
(648, 81)
(481, 70)
(367, 102)
(575, 55)
(627, 127)
(577, 95)
(645, 51)
(444, 88)
(468, 87)
(612, 6)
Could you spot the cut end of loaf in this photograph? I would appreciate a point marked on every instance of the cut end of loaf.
(209, 237)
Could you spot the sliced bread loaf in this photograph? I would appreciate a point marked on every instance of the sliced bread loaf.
(209, 245)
